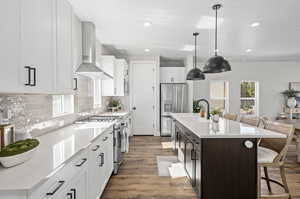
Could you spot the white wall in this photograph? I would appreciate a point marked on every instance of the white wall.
(188, 66)
(172, 74)
(273, 78)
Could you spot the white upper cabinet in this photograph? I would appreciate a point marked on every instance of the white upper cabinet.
(119, 77)
(118, 69)
(76, 42)
(108, 63)
(27, 46)
(64, 71)
(10, 45)
(172, 74)
(38, 44)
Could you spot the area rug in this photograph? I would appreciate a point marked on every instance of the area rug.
(163, 164)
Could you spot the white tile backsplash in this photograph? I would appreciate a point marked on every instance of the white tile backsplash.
(33, 113)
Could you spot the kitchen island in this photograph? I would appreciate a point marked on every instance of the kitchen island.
(220, 159)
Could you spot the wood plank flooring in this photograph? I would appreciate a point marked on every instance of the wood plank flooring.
(138, 176)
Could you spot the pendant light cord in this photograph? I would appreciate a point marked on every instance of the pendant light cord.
(195, 58)
(216, 33)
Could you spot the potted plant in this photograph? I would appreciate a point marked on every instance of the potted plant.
(114, 105)
(291, 94)
(18, 152)
(215, 115)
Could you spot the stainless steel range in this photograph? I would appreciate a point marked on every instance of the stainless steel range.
(120, 137)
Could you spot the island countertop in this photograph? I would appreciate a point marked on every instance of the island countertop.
(204, 128)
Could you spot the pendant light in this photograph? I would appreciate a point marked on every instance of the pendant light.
(216, 64)
(195, 73)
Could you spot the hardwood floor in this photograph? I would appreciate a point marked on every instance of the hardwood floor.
(138, 176)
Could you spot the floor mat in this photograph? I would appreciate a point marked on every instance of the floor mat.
(163, 164)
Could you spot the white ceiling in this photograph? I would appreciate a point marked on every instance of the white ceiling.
(120, 23)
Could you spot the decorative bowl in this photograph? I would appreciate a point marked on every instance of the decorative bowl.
(18, 153)
(15, 160)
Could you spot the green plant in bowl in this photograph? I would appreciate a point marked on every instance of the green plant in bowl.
(19, 147)
(216, 112)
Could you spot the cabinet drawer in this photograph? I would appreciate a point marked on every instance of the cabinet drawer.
(59, 181)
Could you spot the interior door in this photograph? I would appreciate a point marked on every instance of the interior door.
(143, 97)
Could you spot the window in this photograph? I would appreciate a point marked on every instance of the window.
(249, 98)
(97, 94)
(219, 95)
(62, 105)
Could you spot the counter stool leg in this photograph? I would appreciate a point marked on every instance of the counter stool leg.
(283, 177)
(258, 182)
(267, 179)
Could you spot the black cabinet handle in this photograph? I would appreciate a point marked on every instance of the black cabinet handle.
(34, 76)
(101, 159)
(60, 184)
(28, 68)
(96, 148)
(76, 84)
(74, 193)
(81, 163)
(70, 195)
(104, 139)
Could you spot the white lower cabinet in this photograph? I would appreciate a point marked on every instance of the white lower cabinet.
(84, 177)
(101, 164)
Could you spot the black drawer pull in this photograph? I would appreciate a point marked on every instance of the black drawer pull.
(101, 159)
(81, 163)
(104, 139)
(34, 77)
(29, 76)
(74, 193)
(70, 195)
(60, 184)
(96, 148)
(76, 84)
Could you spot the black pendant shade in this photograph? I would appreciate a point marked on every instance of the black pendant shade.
(195, 73)
(216, 64)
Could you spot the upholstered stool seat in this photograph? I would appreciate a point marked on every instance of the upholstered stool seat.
(265, 155)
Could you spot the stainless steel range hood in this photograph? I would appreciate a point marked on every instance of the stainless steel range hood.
(88, 67)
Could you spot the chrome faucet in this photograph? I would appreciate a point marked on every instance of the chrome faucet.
(208, 109)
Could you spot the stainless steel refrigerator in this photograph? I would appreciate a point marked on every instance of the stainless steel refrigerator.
(173, 99)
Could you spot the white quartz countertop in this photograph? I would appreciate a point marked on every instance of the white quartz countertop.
(55, 149)
(204, 128)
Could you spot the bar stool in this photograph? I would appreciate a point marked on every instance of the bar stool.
(272, 153)
(230, 116)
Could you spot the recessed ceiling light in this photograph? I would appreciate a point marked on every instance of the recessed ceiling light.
(147, 24)
(249, 50)
(147, 50)
(255, 24)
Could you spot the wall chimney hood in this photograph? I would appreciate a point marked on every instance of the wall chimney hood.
(88, 67)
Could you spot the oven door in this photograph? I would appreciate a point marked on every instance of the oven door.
(117, 146)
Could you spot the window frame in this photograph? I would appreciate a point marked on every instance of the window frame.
(256, 98)
(226, 92)
(97, 102)
(64, 108)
